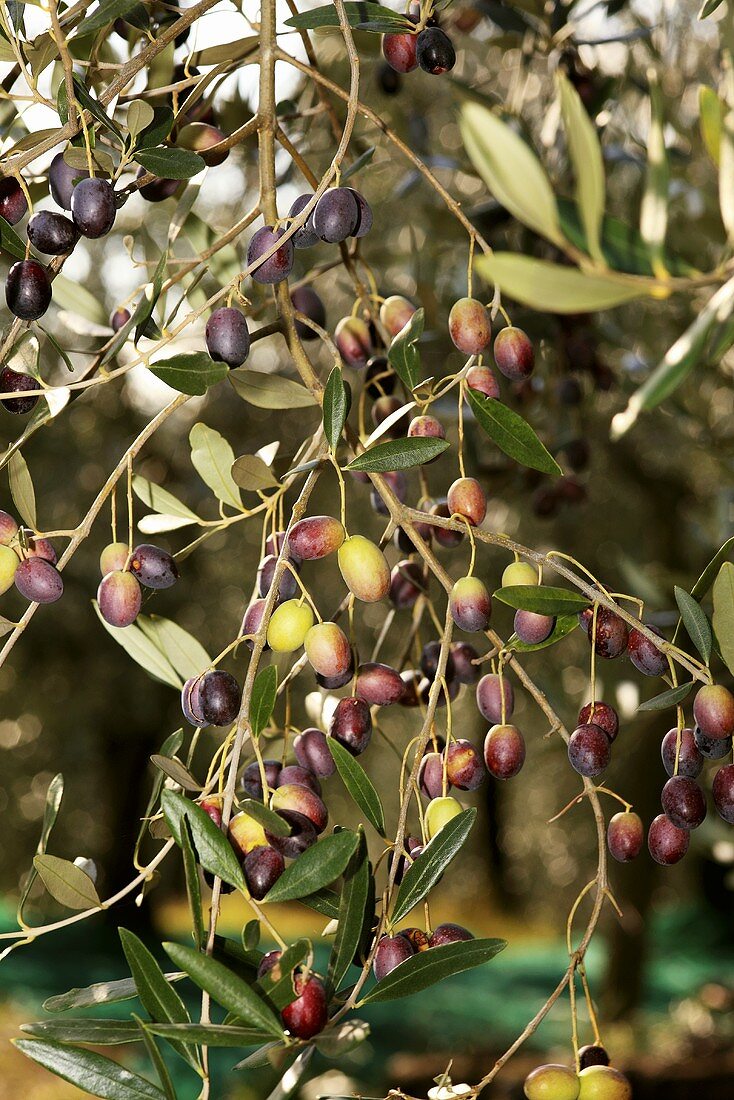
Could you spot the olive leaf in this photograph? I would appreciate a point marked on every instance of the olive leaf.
(556, 288)
(67, 883)
(695, 622)
(213, 458)
(723, 617)
(426, 968)
(543, 599)
(89, 1071)
(588, 165)
(359, 785)
(403, 354)
(335, 407)
(192, 373)
(398, 454)
(512, 434)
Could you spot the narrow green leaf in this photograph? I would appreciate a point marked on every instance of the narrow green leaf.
(66, 882)
(556, 288)
(263, 698)
(183, 652)
(428, 967)
(172, 164)
(102, 1033)
(316, 867)
(269, 391)
(360, 14)
(398, 454)
(323, 901)
(706, 579)
(403, 354)
(352, 908)
(214, 850)
(21, 488)
(622, 246)
(175, 770)
(357, 165)
(213, 458)
(156, 1058)
(193, 883)
(269, 819)
(95, 108)
(90, 1072)
(54, 794)
(159, 499)
(143, 651)
(512, 434)
(225, 987)
(101, 993)
(191, 373)
(710, 120)
(723, 617)
(511, 170)
(695, 622)
(708, 8)
(335, 408)
(359, 785)
(10, 242)
(425, 871)
(542, 598)
(588, 164)
(277, 983)
(159, 999)
(211, 1035)
(666, 699)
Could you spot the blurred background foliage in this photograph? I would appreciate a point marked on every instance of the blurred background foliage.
(642, 513)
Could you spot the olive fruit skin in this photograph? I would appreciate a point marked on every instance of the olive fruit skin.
(351, 725)
(262, 866)
(690, 760)
(308, 1014)
(439, 812)
(245, 834)
(39, 581)
(610, 636)
(365, 216)
(520, 572)
(336, 215)
(251, 621)
(311, 747)
(602, 715)
(395, 312)
(305, 237)
(190, 702)
(12, 381)
(251, 780)
(378, 684)
(302, 835)
(466, 498)
(153, 567)
(227, 336)
(406, 584)
(288, 626)
(471, 604)
(434, 51)
(430, 775)
(316, 537)
(159, 189)
(589, 750)
(470, 327)
(625, 836)
(430, 657)
(464, 767)
(8, 528)
(445, 536)
(723, 792)
(295, 774)
(712, 748)
(61, 179)
(8, 567)
(514, 354)
(28, 290)
(463, 655)
(552, 1082)
(119, 598)
(532, 628)
(391, 952)
(713, 709)
(119, 318)
(328, 650)
(603, 1083)
(201, 137)
(278, 266)
(684, 802)
(354, 341)
(287, 585)
(448, 933)
(644, 655)
(592, 1055)
(93, 207)
(490, 692)
(306, 301)
(481, 379)
(426, 427)
(52, 233)
(301, 800)
(364, 569)
(219, 697)
(399, 51)
(504, 751)
(667, 843)
(13, 203)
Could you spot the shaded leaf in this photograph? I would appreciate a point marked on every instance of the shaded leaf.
(263, 698)
(428, 967)
(213, 1035)
(360, 14)
(323, 901)
(403, 354)
(316, 867)
(705, 581)
(10, 242)
(156, 1058)
(543, 599)
(335, 408)
(172, 164)
(667, 699)
(398, 454)
(425, 871)
(277, 983)
(143, 651)
(191, 373)
(355, 894)
(269, 391)
(225, 987)
(710, 120)
(359, 785)
(214, 850)
(268, 818)
(100, 993)
(511, 433)
(252, 474)
(193, 884)
(183, 652)
(588, 165)
(66, 882)
(103, 1032)
(622, 246)
(176, 771)
(159, 999)
(21, 488)
(695, 622)
(90, 1072)
(723, 617)
(213, 458)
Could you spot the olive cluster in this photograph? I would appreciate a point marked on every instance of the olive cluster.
(595, 1079)
(28, 562)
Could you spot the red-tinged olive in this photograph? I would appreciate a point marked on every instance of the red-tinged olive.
(589, 750)
(252, 621)
(645, 655)
(395, 313)
(464, 767)
(315, 537)
(219, 695)
(684, 802)
(407, 583)
(625, 836)
(378, 685)
(445, 536)
(463, 656)
(490, 693)
(13, 203)
(295, 774)
(202, 138)
(448, 933)
(399, 51)
(471, 604)
(532, 628)
(470, 327)
(312, 751)
(351, 725)
(12, 381)
(713, 709)
(602, 715)
(328, 650)
(683, 748)
(39, 581)
(666, 842)
(154, 568)
(723, 792)
(119, 598)
(514, 354)
(336, 215)
(295, 798)
(287, 586)
(251, 779)
(308, 1014)
(391, 952)
(504, 751)
(28, 290)
(302, 835)
(276, 267)
(483, 380)
(467, 498)
(354, 341)
(263, 866)
(227, 336)
(610, 635)
(431, 775)
(306, 301)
